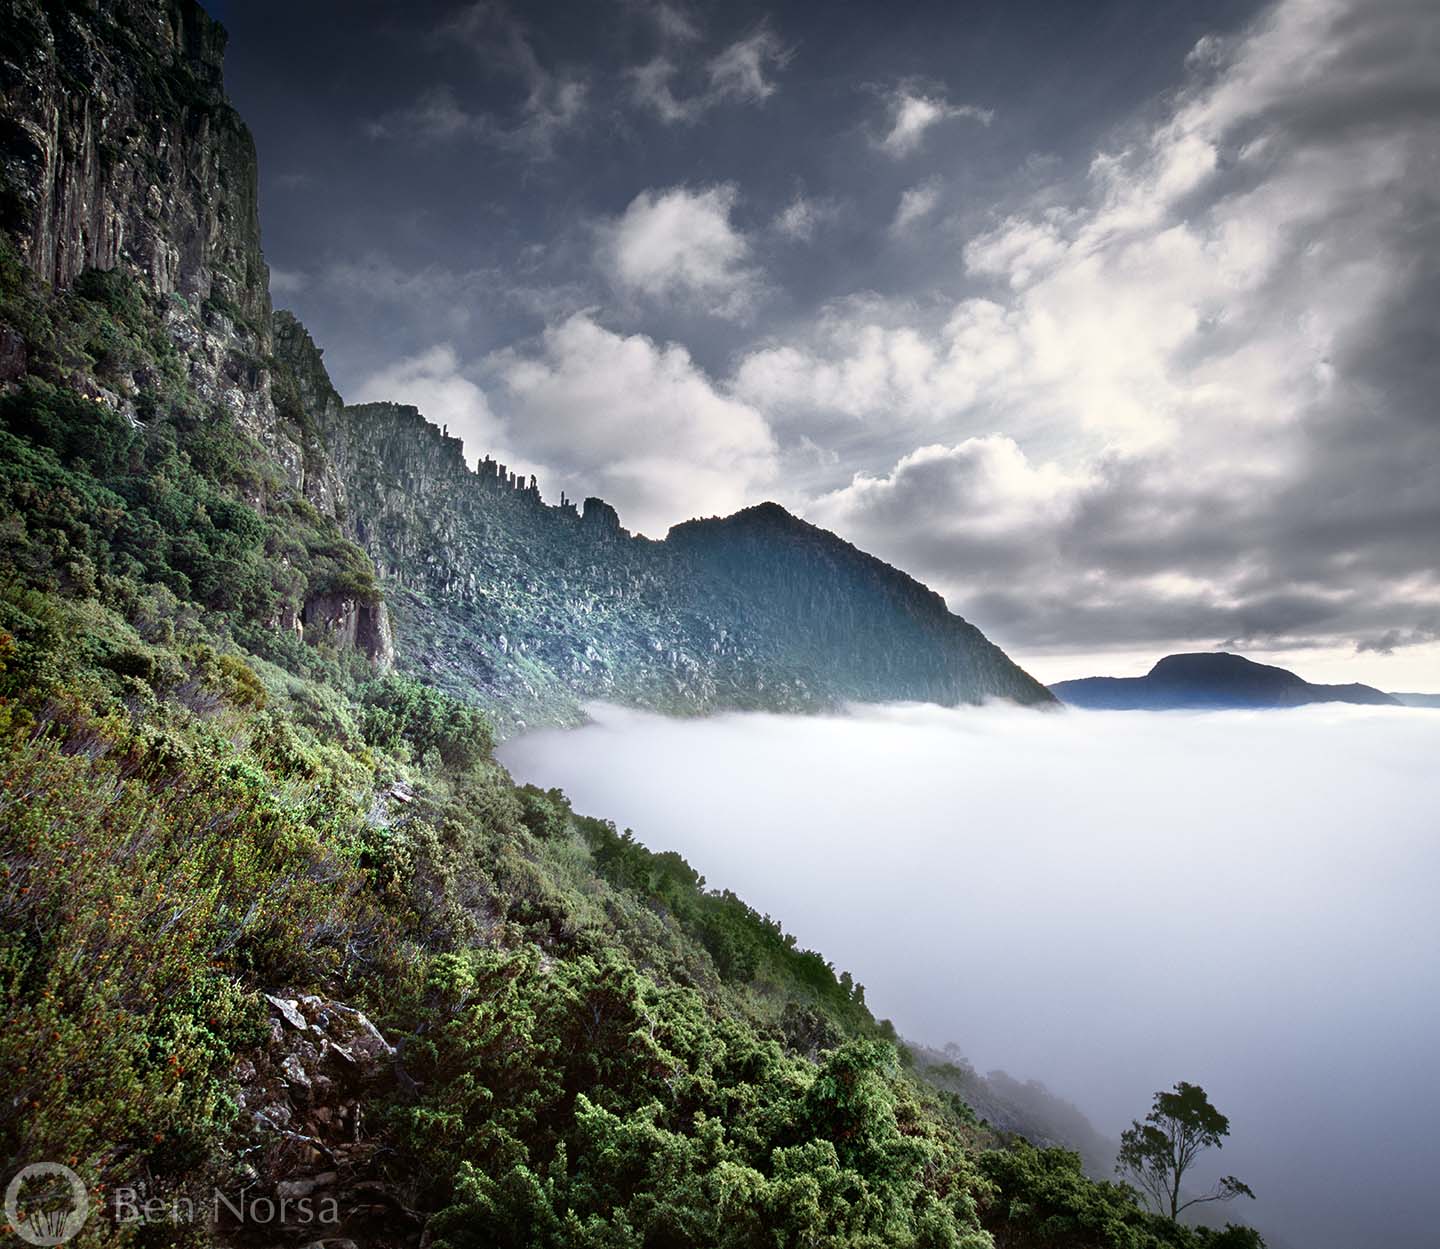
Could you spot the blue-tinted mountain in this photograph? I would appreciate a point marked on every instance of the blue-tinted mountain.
(1210, 680)
(1417, 700)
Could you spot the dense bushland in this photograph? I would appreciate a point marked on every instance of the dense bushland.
(197, 805)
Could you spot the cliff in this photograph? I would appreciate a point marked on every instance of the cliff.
(119, 147)
(121, 153)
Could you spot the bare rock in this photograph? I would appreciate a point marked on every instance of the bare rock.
(289, 1012)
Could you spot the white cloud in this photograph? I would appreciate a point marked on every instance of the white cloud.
(636, 422)
(916, 203)
(982, 487)
(1205, 338)
(434, 382)
(740, 71)
(866, 364)
(803, 216)
(915, 111)
(651, 87)
(589, 411)
(743, 72)
(680, 245)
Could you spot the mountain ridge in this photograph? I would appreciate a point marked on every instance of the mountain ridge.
(1210, 679)
(533, 609)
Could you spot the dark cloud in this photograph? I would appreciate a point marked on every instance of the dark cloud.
(1115, 322)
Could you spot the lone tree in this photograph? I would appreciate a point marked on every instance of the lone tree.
(1157, 1153)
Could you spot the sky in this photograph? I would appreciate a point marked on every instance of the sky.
(1066, 897)
(1115, 323)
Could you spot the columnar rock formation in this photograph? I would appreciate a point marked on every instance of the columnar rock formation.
(120, 150)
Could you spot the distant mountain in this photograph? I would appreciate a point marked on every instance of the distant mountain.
(1210, 679)
(1417, 700)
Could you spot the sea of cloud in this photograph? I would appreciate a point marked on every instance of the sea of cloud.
(1108, 902)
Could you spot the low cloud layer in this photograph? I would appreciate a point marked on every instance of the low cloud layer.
(1108, 902)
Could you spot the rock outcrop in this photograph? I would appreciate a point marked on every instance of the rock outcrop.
(350, 621)
(304, 1098)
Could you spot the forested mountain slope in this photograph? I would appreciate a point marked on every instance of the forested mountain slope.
(531, 608)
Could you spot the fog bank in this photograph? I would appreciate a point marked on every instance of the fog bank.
(1108, 902)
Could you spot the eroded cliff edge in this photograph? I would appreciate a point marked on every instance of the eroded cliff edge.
(120, 151)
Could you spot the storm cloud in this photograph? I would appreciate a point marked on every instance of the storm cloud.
(1113, 324)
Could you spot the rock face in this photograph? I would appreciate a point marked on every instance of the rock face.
(306, 402)
(303, 1099)
(119, 150)
(350, 621)
(113, 117)
(1210, 680)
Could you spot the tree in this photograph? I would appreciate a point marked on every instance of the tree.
(1181, 1125)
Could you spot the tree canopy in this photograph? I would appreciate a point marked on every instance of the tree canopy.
(1157, 1153)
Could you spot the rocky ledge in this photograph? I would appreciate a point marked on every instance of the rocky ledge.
(309, 1152)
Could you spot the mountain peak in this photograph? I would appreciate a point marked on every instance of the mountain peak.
(1210, 680)
(1220, 667)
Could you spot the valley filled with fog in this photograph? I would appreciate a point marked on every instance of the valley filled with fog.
(1107, 902)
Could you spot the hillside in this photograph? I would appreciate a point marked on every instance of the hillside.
(1417, 700)
(1210, 680)
(530, 608)
(287, 956)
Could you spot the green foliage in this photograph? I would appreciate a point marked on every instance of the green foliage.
(147, 876)
(744, 944)
(400, 712)
(181, 498)
(1042, 1198)
(545, 813)
(593, 1107)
